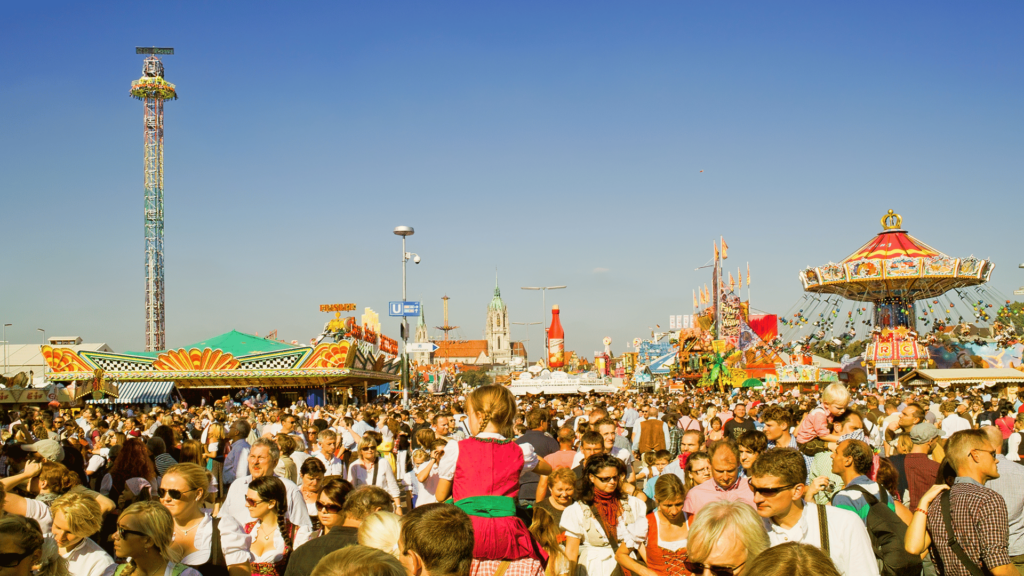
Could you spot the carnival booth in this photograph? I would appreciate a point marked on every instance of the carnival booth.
(995, 379)
(558, 382)
(234, 360)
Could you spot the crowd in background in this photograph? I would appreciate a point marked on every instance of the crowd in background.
(699, 482)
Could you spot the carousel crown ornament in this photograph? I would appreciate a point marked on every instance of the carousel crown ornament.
(892, 221)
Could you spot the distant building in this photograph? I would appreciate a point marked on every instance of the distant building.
(497, 347)
(28, 358)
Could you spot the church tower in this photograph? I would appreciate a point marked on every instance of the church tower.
(499, 340)
(422, 337)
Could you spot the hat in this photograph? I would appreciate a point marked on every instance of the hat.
(49, 449)
(924, 432)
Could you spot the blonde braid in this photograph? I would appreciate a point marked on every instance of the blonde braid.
(485, 419)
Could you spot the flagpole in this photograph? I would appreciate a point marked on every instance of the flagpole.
(717, 287)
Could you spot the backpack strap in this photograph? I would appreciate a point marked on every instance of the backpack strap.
(216, 550)
(376, 467)
(869, 497)
(961, 555)
(823, 528)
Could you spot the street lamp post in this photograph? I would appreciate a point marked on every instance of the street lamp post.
(5, 347)
(544, 306)
(404, 231)
(527, 324)
(41, 349)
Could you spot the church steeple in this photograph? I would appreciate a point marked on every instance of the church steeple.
(497, 303)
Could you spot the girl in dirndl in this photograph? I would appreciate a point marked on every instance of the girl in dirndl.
(481, 473)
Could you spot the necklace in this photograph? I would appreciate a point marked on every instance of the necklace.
(266, 537)
(185, 531)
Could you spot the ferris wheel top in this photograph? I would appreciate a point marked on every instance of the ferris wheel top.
(895, 264)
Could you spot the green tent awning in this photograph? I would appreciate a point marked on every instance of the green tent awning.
(235, 343)
(752, 383)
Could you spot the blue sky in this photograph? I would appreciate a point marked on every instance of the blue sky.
(561, 143)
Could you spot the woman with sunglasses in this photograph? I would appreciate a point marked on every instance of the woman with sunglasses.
(724, 539)
(182, 492)
(369, 470)
(25, 552)
(312, 475)
(329, 503)
(271, 537)
(604, 520)
(144, 535)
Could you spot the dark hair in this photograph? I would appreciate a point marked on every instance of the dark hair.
(166, 434)
(592, 438)
(592, 466)
(441, 535)
(272, 488)
(312, 466)
(337, 489)
(725, 444)
(786, 464)
(779, 415)
(753, 441)
(888, 477)
(536, 417)
(862, 456)
(133, 461)
(793, 559)
(363, 501)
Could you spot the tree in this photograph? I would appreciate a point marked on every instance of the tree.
(475, 378)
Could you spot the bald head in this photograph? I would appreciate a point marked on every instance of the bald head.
(652, 412)
(995, 436)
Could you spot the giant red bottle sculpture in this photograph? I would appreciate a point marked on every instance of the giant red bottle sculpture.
(556, 341)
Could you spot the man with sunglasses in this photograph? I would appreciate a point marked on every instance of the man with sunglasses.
(777, 481)
(978, 515)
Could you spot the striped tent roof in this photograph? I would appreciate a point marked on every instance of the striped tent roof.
(139, 393)
(893, 244)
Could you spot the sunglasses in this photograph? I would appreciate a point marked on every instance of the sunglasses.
(249, 502)
(698, 568)
(175, 494)
(122, 531)
(770, 491)
(12, 559)
(327, 508)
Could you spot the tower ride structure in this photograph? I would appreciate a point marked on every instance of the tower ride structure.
(153, 90)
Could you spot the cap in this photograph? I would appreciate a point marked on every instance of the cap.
(49, 449)
(925, 432)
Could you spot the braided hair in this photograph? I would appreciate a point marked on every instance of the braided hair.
(494, 404)
(272, 488)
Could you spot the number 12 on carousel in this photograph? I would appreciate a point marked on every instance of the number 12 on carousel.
(403, 308)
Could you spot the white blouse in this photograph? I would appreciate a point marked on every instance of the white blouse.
(446, 468)
(275, 554)
(632, 535)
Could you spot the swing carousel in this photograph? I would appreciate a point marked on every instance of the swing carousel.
(907, 283)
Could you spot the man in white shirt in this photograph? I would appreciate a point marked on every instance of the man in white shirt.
(236, 462)
(777, 480)
(263, 457)
(951, 421)
(327, 442)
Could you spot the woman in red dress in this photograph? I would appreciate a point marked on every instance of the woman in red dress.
(482, 475)
(667, 531)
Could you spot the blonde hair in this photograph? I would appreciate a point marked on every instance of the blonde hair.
(380, 530)
(835, 393)
(368, 442)
(82, 513)
(793, 559)
(215, 428)
(494, 404)
(716, 519)
(156, 523)
(194, 475)
(358, 561)
(419, 456)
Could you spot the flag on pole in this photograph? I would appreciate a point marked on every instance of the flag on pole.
(695, 304)
(739, 273)
(732, 283)
(716, 252)
(748, 274)
(725, 250)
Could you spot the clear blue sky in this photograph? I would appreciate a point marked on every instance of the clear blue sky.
(560, 143)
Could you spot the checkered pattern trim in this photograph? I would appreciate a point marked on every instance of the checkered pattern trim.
(119, 365)
(521, 567)
(271, 363)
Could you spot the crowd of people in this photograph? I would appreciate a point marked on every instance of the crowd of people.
(484, 484)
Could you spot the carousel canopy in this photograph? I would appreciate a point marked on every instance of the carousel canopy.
(895, 264)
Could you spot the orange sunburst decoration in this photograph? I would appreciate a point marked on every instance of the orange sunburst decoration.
(64, 360)
(331, 355)
(195, 359)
